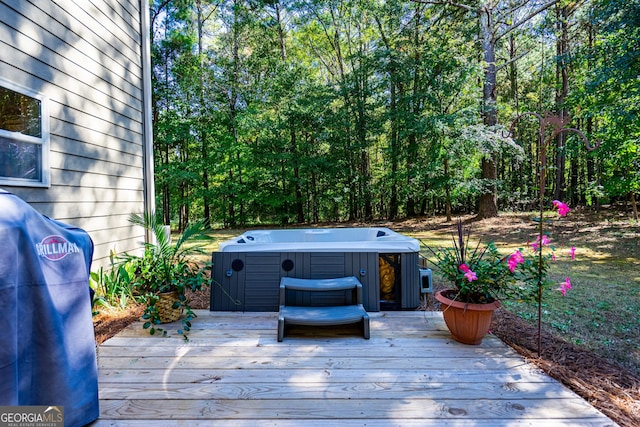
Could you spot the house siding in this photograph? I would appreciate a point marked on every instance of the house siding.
(86, 57)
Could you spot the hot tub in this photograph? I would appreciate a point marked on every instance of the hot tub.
(375, 239)
(247, 269)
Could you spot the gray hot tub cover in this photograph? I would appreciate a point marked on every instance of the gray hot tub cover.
(47, 350)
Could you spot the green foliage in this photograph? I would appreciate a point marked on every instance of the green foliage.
(608, 94)
(478, 274)
(312, 111)
(167, 266)
(481, 274)
(113, 284)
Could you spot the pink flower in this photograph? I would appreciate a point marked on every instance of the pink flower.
(553, 256)
(564, 287)
(470, 276)
(544, 241)
(563, 209)
(515, 259)
(572, 252)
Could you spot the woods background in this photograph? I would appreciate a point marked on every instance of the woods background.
(284, 111)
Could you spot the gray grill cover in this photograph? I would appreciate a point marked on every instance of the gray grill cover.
(47, 349)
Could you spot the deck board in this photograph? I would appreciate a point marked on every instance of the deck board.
(233, 372)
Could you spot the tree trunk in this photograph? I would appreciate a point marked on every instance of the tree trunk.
(412, 154)
(592, 167)
(299, 202)
(562, 77)
(574, 173)
(414, 112)
(296, 175)
(393, 203)
(361, 127)
(488, 202)
(283, 49)
(314, 193)
(233, 98)
(166, 191)
(518, 175)
(447, 190)
(201, 132)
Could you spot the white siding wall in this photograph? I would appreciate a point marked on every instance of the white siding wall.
(85, 56)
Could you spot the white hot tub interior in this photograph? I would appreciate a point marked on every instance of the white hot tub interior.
(373, 239)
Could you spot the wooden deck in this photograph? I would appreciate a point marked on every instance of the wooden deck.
(233, 372)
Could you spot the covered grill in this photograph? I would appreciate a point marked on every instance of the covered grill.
(47, 351)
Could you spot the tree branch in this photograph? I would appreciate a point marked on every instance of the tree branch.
(156, 12)
(321, 58)
(448, 3)
(514, 59)
(382, 35)
(526, 19)
(505, 14)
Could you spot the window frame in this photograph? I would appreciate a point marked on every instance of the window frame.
(43, 141)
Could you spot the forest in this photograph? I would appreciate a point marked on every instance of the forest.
(305, 111)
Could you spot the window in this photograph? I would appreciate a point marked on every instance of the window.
(24, 136)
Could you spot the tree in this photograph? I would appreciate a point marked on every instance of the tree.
(287, 111)
(614, 94)
(495, 20)
(172, 47)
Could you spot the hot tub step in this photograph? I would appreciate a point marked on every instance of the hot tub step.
(326, 315)
(318, 285)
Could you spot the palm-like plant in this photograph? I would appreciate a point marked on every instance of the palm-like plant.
(168, 267)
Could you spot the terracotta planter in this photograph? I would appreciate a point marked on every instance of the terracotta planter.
(468, 323)
(166, 312)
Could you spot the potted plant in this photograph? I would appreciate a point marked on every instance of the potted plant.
(165, 270)
(479, 276)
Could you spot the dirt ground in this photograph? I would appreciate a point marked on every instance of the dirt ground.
(608, 387)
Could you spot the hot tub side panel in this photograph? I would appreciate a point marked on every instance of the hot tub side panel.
(250, 281)
(313, 265)
(245, 281)
(227, 290)
(410, 281)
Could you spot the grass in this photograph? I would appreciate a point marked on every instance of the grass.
(600, 313)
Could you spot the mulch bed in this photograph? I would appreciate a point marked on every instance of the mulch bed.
(107, 324)
(608, 387)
